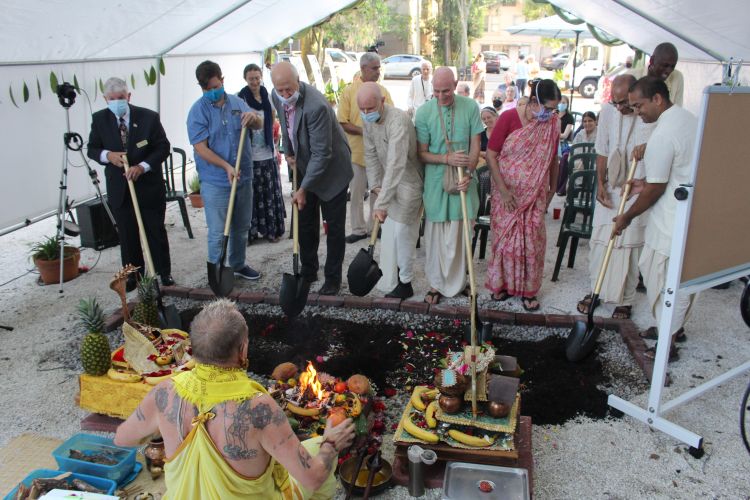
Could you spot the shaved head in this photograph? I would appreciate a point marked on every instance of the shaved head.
(369, 96)
(444, 85)
(285, 79)
(663, 61)
(620, 88)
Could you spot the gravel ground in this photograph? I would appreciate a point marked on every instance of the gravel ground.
(612, 458)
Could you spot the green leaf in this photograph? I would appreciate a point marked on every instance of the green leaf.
(75, 84)
(38, 89)
(12, 99)
(25, 92)
(53, 81)
(146, 77)
(101, 86)
(162, 67)
(152, 76)
(132, 80)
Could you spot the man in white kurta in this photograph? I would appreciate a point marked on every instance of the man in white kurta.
(395, 173)
(420, 89)
(668, 160)
(619, 131)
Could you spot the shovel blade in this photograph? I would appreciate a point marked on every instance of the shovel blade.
(745, 304)
(293, 294)
(581, 341)
(363, 273)
(169, 317)
(220, 279)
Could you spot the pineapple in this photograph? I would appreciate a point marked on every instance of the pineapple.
(146, 312)
(95, 352)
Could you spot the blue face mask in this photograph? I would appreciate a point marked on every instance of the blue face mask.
(118, 106)
(543, 114)
(289, 101)
(370, 117)
(562, 107)
(214, 95)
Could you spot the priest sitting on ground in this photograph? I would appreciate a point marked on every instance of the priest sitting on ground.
(224, 435)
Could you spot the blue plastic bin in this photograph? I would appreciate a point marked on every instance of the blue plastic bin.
(107, 485)
(91, 444)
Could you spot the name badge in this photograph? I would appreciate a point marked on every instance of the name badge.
(142, 144)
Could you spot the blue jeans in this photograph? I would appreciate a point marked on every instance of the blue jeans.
(216, 201)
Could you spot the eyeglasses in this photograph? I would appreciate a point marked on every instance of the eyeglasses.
(620, 104)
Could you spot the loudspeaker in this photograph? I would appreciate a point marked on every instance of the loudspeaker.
(97, 231)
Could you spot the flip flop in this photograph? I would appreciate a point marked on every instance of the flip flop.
(526, 303)
(653, 334)
(584, 304)
(622, 312)
(650, 353)
(501, 296)
(433, 296)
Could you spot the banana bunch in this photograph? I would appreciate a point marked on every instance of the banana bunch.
(418, 432)
(123, 376)
(419, 392)
(477, 442)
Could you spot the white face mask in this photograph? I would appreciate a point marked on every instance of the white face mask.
(289, 101)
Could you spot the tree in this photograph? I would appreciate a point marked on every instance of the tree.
(453, 31)
(359, 27)
(536, 10)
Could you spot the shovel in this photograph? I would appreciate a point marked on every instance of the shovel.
(169, 317)
(221, 277)
(294, 288)
(582, 338)
(364, 273)
(745, 304)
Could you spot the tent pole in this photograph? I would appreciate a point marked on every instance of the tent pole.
(158, 85)
(666, 28)
(573, 78)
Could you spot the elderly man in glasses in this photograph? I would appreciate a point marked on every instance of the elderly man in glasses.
(620, 130)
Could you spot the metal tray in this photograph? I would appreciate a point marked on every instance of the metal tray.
(462, 481)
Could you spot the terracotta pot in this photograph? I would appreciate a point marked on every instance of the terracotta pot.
(49, 270)
(195, 200)
(155, 455)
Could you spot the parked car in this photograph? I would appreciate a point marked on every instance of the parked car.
(496, 61)
(556, 61)
(346, 67)
(402, 66)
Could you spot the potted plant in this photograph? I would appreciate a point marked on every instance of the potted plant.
(194, 185)
(46, 256)
(330, 94)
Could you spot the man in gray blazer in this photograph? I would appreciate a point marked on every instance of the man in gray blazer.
(314, 144)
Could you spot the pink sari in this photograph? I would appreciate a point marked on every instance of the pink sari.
(519, 238)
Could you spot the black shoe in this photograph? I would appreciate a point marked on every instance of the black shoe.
(312, 278)
(723, 286)
(329, 288)
(131, 284)
(402, 291)
(353, 238)
(167, 280)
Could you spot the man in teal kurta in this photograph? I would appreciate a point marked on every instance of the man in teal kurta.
(455, 118)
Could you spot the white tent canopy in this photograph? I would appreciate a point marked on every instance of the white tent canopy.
(90, 30)
(551, 27)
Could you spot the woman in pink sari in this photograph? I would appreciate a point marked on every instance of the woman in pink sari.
(522, 155)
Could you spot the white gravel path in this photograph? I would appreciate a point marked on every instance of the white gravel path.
(610, 459)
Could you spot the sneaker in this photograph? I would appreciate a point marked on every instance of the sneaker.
(402, 291)
(353, 238)
(248, 273)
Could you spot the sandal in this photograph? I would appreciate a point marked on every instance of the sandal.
(653, 334)
(584, 304)
(622, 312)
(528, 303)
(433, 297)
(501, 296)
(650, 353)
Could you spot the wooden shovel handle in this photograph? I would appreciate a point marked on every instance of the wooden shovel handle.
(141, 230)
(233, 192)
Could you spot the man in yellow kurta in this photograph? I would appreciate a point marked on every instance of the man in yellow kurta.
(224, 435)
(351, 121)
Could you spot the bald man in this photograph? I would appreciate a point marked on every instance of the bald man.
(395, 173)
(662, 66)
(619, 131)
(455, 119)
(315, 143)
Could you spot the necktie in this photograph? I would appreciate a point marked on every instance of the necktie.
(124, 134)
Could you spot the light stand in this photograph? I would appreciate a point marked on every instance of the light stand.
(74, 142)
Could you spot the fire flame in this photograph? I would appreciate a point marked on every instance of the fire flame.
(309, 378)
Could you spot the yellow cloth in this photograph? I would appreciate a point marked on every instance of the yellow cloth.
(110, 397)
(199, 470)
(348, 112)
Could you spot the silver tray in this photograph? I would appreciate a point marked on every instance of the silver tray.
(461, 482)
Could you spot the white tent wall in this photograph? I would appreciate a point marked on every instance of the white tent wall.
(32, 138)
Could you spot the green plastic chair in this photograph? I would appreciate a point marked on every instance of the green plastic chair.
(482, 224)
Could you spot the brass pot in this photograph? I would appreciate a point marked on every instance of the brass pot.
(155, 455)
(497, 409)
(462, 383)
(450, 404)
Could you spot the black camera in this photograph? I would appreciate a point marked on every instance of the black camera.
(66, 94)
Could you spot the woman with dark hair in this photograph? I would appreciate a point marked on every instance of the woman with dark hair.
(268, 204)
(522, 155)
(586, 134)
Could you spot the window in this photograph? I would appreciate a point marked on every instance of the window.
(337, 57)
(409, 59)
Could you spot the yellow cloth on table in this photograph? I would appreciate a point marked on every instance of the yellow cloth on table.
(111, 397)
(199, 470)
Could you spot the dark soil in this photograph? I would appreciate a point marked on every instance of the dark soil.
(553, 390)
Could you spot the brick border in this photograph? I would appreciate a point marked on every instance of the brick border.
(626, 328)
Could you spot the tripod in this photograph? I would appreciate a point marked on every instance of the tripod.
(73, 142)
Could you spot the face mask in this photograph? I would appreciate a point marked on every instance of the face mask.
(562, 107)
(291, 100)
(118, 106)
(543, 114)
(214, 95)
(371, 117)
(497, 103)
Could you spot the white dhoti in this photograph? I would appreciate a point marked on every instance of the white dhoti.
(445, 256)
(357, 190)
(653, 266)
(621, 278)
(398, 246)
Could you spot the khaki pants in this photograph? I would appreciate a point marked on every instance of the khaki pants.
(398, 246)
(358, 188)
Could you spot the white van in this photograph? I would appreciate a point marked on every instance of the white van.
(589, 63)
(343, 64)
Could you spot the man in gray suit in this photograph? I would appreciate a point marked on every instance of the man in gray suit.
(315, 144)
